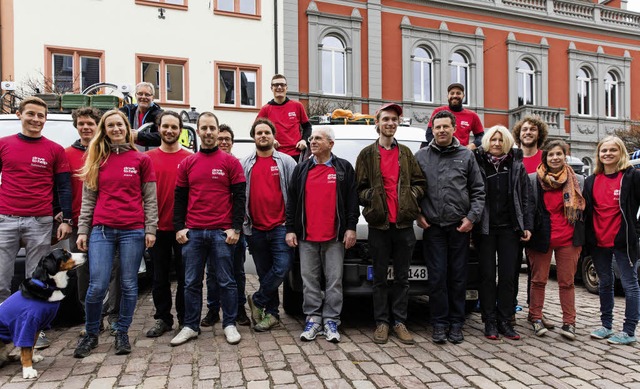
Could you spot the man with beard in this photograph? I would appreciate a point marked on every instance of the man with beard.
(166, 253)
(268, 173)
(145, 111)
(467, 121)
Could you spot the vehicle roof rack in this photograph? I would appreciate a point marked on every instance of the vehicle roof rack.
(345, 116)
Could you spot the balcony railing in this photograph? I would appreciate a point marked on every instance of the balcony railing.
(554, 117)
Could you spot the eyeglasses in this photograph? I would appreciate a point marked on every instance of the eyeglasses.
(142, 94)
(316, 138)
(279, 85)
(224, 139)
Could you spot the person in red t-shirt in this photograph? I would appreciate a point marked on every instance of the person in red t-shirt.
(558, 230)
(612, 194)
(166, 254)
(289, 117)
(208, 215)
(119, 212)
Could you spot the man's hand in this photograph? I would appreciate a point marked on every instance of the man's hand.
(276, 144)
(471, 146)
(58, 217)
(301, 145)
(64, 230)
(181, 236)
(466, 225)
(291, 239)
(149, 240)
(526, 236)
(349, 239)
(232, 236)
(134, 134)
(422, 222)
(81, 242)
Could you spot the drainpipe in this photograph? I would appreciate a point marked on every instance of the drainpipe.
(275, 33)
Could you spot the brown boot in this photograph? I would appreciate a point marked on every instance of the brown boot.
(381, 335)
(403, 334)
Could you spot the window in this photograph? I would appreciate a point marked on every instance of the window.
(237, 85)
(584, 92)
(422, 75)
(174, 4)
(333, 66)
(73, 70)
(168, 75)
(459, 71)
(611, 95)
(526, 83)
(243, 7)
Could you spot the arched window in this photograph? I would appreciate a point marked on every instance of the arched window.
(587, 168)
(422, 75)
(584, 92)
(459, 66)
(333, 66)
(611, 95)
(526, 83)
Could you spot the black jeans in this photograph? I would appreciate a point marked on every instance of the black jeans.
(165, 254)
(505, 243)
(446, 252)
(396, 246)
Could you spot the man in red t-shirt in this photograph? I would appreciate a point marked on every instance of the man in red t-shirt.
(268, 173)
(288, 116)
(166, 254)
(467, 121)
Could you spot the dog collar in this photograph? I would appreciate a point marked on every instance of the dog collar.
(42, 284)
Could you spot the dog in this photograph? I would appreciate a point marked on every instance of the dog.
(31, 309)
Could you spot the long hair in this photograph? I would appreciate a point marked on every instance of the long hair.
(100, 148)
(623, 163)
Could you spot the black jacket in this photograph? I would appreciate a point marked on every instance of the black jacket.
(347, 201)
(151, 138)
(627, 237)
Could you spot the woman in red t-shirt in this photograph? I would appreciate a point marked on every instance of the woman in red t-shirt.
(119, 206)
(558, 231)
(613, 197)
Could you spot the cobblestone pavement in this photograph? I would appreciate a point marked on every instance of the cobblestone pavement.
(280, 360)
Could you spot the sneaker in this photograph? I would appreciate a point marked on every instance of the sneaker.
(268, 322)
(85, 345)
(331, 331)
(568, 331)
(311, 330)
(491, 330)
(122, 343)
(83, 331)
(403, 334)
(381, 334)
(42, 342)
(505, 328)
(439, 335)
(183, 336)
(602, 333)
(547, 323)
(242, 319)
(621, 338)
(538, 328)
(158, 329)
(212, 317)
(232, 334)
(256, 312)
(455, 335)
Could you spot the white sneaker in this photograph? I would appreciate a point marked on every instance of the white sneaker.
(232, 334)
(331, 331)
(311, 331)
(183, 336)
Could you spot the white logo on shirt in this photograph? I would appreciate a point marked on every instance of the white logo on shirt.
(38, 162)
(274, 171)
(292, 115)
(464, 123)
(216, 173)
(331, 178)
(616, 194)
(129, 171)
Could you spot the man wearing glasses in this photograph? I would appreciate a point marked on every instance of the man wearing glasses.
(145, 111)
(289, 117)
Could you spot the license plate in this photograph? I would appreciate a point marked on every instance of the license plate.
(472, 294)
(416, 273)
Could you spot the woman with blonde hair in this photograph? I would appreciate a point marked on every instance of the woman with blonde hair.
(507, 219)
(612, 193)
(120, 212)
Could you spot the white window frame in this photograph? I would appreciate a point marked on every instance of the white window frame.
(420, 61)
(334, 53)
(611, 89)
(528, 78)
(584, 84)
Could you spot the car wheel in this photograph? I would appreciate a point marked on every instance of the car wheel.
(291, 300)
(589, 275)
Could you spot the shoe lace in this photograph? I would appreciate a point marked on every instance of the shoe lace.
(333, 327)
(309, 326)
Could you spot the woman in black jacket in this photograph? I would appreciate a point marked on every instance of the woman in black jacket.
(613, 196)
(507, 218)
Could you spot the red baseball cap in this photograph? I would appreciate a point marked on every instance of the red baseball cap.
(392, 106)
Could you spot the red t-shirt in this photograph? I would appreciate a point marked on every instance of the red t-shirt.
(606, 208)
(467, 122)
(531, 163)
(120, 179)
(287, 118)
(166, 167)
(28, 168)
(320, 203)
(209, 177)
(266, 202)
(390, 170)
(76, 161)
(561, 230)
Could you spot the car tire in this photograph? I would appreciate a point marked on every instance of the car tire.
(589, 275)
(291, 300)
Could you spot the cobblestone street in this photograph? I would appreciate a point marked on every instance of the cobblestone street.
(280, 360)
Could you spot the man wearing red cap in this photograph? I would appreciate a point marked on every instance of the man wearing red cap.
(467, 121)
(390, 186)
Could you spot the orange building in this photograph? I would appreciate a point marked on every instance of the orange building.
(573, 62)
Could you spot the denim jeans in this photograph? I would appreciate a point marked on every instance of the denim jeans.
(166, 254)
(272, 257)
(103, 243)
(213, 292)
(317, 259)
(34, 233)
(602, 260)
(208, 247)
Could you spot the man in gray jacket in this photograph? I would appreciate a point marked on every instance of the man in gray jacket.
(453, 202)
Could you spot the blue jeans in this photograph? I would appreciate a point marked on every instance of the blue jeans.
(602, 260)
(208, 247)
(272, 257)
(213, 292)
(103, 243)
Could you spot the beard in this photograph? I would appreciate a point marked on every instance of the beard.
(457, 106)
(264, 147)
(169, 141)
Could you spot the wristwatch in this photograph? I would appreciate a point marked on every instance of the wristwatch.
(68, 221)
